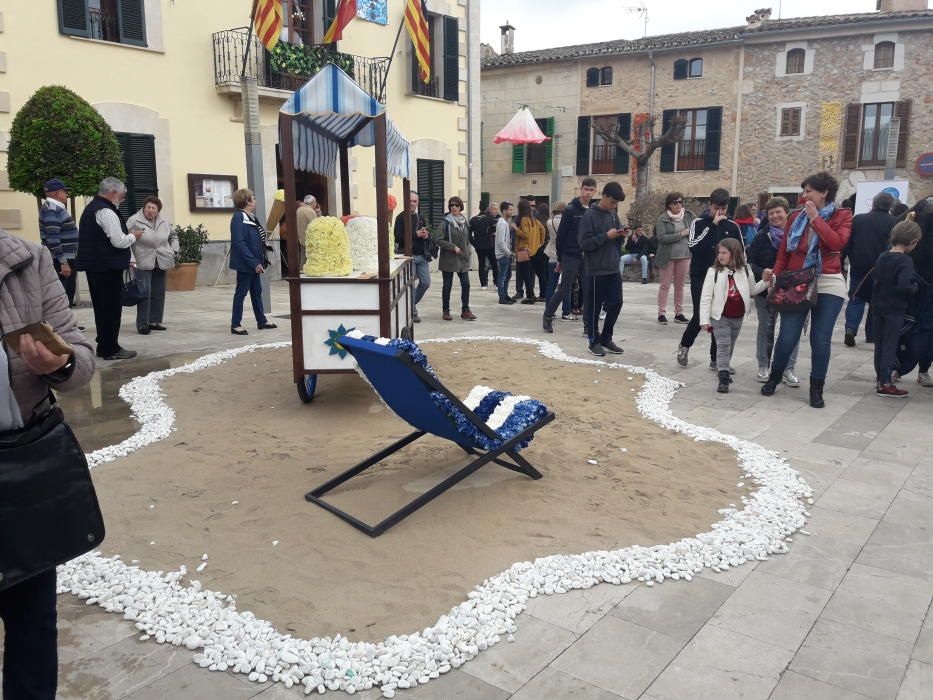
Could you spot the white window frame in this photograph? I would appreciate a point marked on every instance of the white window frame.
(780, 61)
(868, 50)
(803, 121)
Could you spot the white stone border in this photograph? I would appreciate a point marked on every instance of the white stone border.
(186, 614)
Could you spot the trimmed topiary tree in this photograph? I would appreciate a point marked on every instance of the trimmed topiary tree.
(58, 134)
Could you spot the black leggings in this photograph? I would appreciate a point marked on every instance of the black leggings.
(448, 283)
(525, 271)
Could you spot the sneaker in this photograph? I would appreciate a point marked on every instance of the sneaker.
(890, 391)
(529, 300)
(849, 339)
(568, 317)
(680, 318)
(143, 330)
(548, 324)
(763, 374)
(518, 297)
(122, 354)
(644, 280)
(157, 327)
(507, 301)
(447, 316)
(609, 346)
(923, 379)
(468, 315)
(597, 349)
(483, 287)
(662, 319)
(682, 355)
(788, 378)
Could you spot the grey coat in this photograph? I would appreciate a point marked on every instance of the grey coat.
(449, 235)
(672, 245)
(158, 244)
(29, 293)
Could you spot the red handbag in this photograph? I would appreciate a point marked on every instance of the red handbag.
(794, 291)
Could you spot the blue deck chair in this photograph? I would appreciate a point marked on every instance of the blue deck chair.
(406, 387)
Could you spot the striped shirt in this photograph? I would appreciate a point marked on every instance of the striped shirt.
(58, 230)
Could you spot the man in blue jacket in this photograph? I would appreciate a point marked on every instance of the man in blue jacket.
(569, 255)
(600, 238)
(59, 233)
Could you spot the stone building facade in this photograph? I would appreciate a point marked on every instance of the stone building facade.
(767, 103)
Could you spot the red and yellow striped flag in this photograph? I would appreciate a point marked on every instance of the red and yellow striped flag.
(416, 22)
(345, 12)
(267, 21)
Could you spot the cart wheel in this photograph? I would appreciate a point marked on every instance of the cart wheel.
(306, 386)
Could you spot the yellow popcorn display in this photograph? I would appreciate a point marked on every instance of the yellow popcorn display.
(328, 248)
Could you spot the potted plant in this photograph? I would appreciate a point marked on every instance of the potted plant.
(184, 277)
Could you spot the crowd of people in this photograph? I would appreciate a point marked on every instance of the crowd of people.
(795, 268)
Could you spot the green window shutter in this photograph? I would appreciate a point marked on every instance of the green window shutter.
(713, 137)
(518, 159)
(431, 190)
(668, 149)
(625, 131)
(138, 152)
(132, 21)
(483, 200)
(583, 145)
(72, 17)
(451, 59)
(549, 145)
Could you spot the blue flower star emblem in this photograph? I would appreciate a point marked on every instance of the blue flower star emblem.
(335, 347)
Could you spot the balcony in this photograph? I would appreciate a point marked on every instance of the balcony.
(288, 66)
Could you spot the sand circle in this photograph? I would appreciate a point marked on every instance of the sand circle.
(230, 482)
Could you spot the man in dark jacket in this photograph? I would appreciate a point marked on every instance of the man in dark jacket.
(600, 238)
(705, 234)
(569, 255)
(420, 254)
(483, 240)
(869, 239)
(59, 233)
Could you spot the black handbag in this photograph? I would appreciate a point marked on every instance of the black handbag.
(49, 512)
(134, 291)
(794, 291)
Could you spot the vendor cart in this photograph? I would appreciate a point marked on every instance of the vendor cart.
(317, 125)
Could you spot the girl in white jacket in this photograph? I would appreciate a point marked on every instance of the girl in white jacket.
(726, 298)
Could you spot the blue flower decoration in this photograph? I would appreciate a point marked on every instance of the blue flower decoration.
(335, 335)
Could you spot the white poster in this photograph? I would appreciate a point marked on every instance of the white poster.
(866, 191)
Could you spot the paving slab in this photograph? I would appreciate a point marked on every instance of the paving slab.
(921, 480)
(619, 656)
(772, 609)
(876, 471)
(577, 611)
(881, 601)
(84, 629)
(551, 683)
(923, 649)
(509, 665)
(677, 609)
(852, 658)
(906, 548)
(719, 664)
(860, 425)
(918, 681)
(194, 683)
(858, 497)
(794, 686)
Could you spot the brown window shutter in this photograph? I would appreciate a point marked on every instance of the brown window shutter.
(902, 112)
(850, 138)
(795, 121)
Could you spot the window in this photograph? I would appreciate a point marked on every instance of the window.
(867, 129)
(598, 76)
(595, 154)
(138, 152)
(696, 67)
(296, 25)
(535, 157)
(795, 61)
(884, 54)
(605, 76)
(698, 149)
(592, 77)
(790, 121)
(444, 82)
(119, 21)
(680, 69)
(431, 204)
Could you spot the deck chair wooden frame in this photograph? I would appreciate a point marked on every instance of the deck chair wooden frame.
(505, 456)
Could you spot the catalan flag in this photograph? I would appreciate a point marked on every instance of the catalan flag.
(416, 21)
(268, 22)
(346, 11)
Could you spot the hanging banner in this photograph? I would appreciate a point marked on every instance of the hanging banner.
(373, 10)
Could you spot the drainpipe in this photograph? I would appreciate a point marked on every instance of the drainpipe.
(738, 122)
(651, 107)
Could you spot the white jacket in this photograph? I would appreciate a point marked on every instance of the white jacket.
(716, 287)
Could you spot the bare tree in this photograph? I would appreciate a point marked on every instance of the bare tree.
(643, 145)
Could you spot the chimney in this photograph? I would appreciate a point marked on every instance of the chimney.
(508, 38)
(755, 19)
(898, 5)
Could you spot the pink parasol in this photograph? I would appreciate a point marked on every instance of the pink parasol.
(521, 128)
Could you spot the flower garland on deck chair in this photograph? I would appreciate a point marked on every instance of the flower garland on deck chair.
(506, 414)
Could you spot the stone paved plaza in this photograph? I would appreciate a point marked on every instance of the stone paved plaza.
(845, 615)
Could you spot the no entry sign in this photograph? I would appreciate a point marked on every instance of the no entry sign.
(925, 165)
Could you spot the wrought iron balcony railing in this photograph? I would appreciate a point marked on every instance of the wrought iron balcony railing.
(289, 66)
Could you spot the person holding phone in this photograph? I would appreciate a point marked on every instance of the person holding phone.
(29, 295)
(155, 253)
(248, 260)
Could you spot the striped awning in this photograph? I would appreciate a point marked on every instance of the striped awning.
(328, 109)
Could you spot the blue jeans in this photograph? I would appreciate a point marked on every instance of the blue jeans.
(505, 274)
(630, 259)
(822, 319)
(855, 309)
(423, 273)
(247, 282)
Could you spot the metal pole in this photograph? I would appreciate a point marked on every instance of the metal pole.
(385, 77)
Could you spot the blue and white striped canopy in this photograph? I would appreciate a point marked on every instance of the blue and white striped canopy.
(327, 109)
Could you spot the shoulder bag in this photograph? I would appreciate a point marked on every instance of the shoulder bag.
(794, 291)
(134, 291)
(49, 512)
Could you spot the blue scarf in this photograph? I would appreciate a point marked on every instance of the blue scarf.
(776, 234)
(814, 258)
